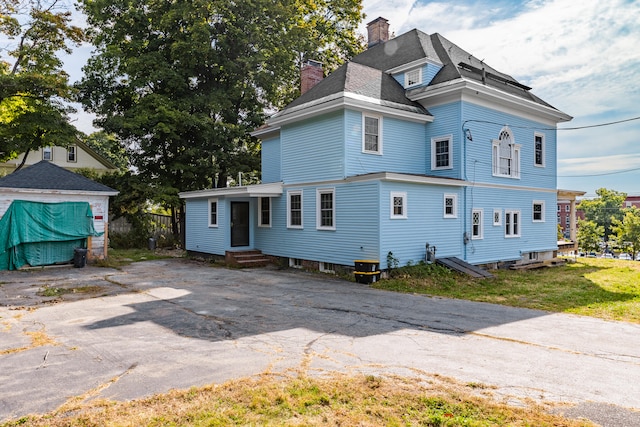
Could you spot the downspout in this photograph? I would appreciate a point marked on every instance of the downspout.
(465, 188)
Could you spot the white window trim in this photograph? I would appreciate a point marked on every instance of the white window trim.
(541, 203)
(449, 138)
(480, 236)
(379, 118)
(455, 206)
(542, 136)
(295, 193)
(406, 77)
(319, 192)
(74, 149)
(393, 195)
(48, 149)
(515, 156)
(497, 217)
(327, 267)
(511, 234)
(209, 202)
(260, 224)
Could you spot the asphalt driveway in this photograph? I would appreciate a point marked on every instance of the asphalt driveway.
(174, 323)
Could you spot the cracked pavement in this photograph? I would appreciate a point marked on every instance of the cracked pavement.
(158, 325)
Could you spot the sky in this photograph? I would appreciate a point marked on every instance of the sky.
(582, 57)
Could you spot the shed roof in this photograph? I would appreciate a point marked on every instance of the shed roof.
(47, 176)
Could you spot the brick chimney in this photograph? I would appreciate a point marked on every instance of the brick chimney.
(378, 31)
(310, 75)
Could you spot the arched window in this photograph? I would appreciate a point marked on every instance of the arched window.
(506, 155)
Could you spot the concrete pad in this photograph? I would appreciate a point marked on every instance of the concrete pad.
(166, 324)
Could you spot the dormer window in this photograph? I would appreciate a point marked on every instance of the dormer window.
(413, 77)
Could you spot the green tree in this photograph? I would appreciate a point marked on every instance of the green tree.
(589, 236)
(183, 83)
(604, 208)
(108, 146)
(627, 230)
(33, 85)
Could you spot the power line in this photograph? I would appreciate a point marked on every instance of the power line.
(543, 128)
(599, 174)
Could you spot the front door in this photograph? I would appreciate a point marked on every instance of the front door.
(239, 223)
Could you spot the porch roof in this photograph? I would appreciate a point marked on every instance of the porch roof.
(257, 190)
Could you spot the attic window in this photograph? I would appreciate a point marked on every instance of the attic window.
(413, 77)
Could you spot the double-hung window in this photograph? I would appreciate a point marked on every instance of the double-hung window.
(264, 216)
(398, 202)
(441, 153)
(372, 134)
(511, 223)
(294, 209)
(213, 212)
(538, 142)
(476, 224)
(450, 206)
(538, 211)
(47, 153)
(506, 155)
(326, 209)
(72, 154)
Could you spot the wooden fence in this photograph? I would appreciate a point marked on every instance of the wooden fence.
(160, 225)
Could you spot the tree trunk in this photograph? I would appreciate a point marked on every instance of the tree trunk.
(24, 159)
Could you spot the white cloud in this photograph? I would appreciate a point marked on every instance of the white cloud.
(591, 166)
(580, 56)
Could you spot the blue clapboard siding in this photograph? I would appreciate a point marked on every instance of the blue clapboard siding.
(198, 235)
(403, 147)
(425, 222)
(313, 150)
(534, 236)
(355, 237)
(270, 160)
(446, 122)
(479, 155)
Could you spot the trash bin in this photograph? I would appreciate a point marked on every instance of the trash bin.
(79, 257)
(152, 244)
(367, 271)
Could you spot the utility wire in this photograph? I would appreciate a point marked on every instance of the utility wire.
(541, 128)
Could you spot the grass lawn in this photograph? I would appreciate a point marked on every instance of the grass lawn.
(339, 400)
(604, 288)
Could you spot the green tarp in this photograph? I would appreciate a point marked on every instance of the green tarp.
(37, 233)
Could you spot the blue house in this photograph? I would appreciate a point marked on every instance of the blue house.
(414, 142)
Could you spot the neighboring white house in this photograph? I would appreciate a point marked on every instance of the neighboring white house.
(47, 183)
(74, 157)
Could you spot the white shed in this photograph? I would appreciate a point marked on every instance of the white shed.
(45, 182)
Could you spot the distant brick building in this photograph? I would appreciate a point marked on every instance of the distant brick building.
(632, 201)
(564, 212)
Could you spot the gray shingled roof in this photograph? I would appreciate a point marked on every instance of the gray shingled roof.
(456, 62)
(47, 176)
(359, 79)
(366, 74)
